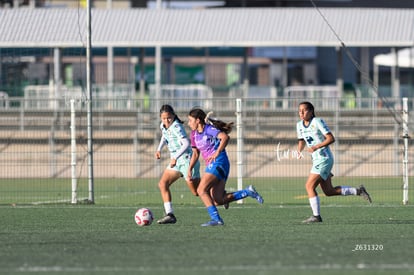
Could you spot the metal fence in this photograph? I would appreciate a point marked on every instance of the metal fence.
(35, 143)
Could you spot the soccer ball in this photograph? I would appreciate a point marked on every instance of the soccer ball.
(144, 217)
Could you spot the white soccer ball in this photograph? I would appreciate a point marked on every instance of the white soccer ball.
(144, 217)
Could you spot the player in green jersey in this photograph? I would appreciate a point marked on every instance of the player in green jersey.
(314, 133)
(175, 137)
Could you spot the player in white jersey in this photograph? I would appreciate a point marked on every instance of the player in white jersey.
(314, 133)
(175, 137)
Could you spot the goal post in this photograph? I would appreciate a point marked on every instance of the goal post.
(405, 157)
(73, 150)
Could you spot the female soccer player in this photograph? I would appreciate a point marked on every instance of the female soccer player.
(175, 137)
(314, 133)
(210, 137)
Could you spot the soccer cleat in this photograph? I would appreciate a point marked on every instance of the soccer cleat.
(213, 223)
(313, 219)
(363, 192)
(226, 205)
(253, 193)
(169, 218)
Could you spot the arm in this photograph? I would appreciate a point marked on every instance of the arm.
(301, 146)
(224, 140)
(194, 158)
(158, 152)
(184, 145)
(329, 139)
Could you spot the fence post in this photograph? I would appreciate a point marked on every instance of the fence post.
(73, 150)
(52, 154)
(405, 159)
(135, 155)
(239, 126)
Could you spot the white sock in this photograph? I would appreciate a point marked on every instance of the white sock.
(168, 208)
(348, 190)
(314, 203)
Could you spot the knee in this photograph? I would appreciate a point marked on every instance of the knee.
(163, 185)
(334, 191)
(200, 191)
(309, 187)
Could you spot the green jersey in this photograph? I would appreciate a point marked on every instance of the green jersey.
(176, 139)
(314, 134)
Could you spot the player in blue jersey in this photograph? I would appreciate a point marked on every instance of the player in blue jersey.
(176, 139)
(210, 137)
(314, 133)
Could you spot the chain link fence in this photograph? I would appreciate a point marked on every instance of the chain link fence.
(35, 143)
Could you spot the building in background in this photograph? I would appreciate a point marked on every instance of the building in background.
(218, 67)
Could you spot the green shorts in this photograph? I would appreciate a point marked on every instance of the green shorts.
(322, 167)
(183, 164)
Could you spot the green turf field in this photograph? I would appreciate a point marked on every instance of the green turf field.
(355, 237)
(130, 192)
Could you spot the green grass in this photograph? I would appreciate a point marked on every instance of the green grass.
(128, 192)
(41, 235)
(256, 239)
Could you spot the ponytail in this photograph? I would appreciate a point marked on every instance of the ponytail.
(208, 119)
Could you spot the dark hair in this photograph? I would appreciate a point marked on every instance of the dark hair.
(168, 109)
(309, 106)
(200, 114)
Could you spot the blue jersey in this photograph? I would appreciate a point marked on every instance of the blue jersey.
(207, 141)
(314, 134)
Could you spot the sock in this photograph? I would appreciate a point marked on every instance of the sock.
(168, 208)
(241, 194)
(314, 203)
(214, 215)
(348, 190)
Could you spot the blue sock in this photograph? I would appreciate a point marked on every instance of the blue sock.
(212, 211)
(241, 194)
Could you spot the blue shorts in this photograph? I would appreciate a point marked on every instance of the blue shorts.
(220, 167)
(322, 167)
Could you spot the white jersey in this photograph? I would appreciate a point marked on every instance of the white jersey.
(174, 137)
(314, 134)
